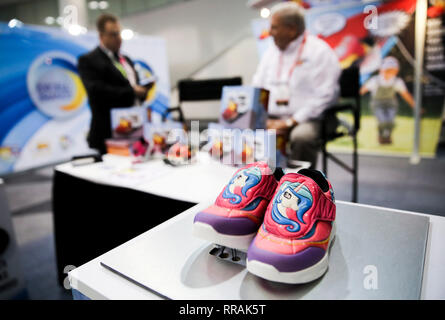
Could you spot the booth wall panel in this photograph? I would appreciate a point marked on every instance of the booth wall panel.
(196, 31)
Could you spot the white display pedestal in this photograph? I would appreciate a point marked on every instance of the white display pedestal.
(171, 263)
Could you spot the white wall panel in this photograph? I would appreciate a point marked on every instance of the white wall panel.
(240, 60)
(196, 31)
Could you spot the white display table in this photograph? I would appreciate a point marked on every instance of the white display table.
(197, 182)
(190, 273)
(168, 262)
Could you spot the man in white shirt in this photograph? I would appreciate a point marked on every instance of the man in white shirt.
(301, 72)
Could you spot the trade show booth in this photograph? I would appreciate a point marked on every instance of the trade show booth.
(124, 210)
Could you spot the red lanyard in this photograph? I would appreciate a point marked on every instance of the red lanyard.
(296, 62)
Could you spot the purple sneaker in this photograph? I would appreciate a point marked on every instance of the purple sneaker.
(233, 220)
(293, 242)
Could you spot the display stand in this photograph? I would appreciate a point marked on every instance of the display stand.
(376, 255)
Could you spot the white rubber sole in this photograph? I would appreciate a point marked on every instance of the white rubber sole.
(206, 232)
(269, 272)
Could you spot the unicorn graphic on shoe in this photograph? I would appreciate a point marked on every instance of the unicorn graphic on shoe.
(241, 183)
(290, 204)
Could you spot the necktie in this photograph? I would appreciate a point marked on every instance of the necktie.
(119, 66)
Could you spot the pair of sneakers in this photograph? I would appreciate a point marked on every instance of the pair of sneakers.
(285, 222)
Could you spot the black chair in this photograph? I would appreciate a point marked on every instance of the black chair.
(349, 101)
(200, 90)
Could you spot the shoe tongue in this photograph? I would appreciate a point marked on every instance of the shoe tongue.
(278, 173)
(317, 176)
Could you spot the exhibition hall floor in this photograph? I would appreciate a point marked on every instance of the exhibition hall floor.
(383, 181)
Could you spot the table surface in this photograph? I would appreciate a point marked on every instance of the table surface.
(97, 282)
(182, 183)
(198, 182)
(170, 260)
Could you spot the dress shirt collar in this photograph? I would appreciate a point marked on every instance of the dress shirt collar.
(294, 44)
(107, 51)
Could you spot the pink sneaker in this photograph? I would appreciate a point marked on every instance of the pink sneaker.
(233, 220)
(293, 242)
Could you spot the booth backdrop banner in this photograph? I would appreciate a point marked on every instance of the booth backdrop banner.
(434, 56)
(310, 4)
(44, 110)
(364, 34)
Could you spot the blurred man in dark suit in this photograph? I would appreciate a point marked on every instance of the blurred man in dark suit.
(109, 79)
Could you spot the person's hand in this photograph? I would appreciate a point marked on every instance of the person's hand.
(140, 92)
(276, 124)
(149, 86)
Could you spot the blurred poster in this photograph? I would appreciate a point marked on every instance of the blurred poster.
(378, 36)
(434, 60)
(44, 110)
